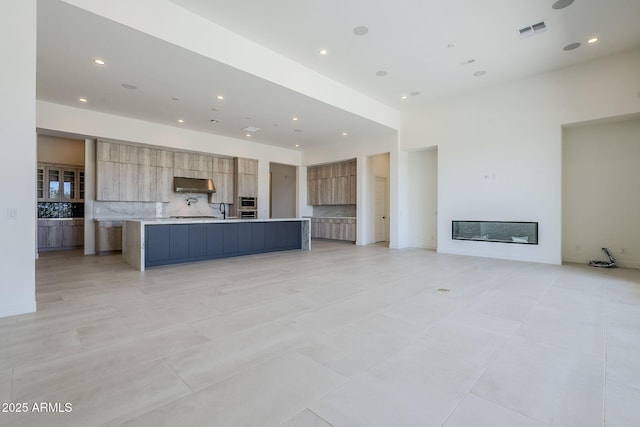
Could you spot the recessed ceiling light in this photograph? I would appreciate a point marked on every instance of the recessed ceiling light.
(360, 31)
(129, 86)
(248, 135)
(416, 93)
(180, 121)
(214, 121)
(451, 45)
(275, 124)
(571, 46)
(251, 129)
(561, 4)
(175, 98)
(82, 100)
(297, 145)
(323, 51)
(98, 61)
(344, 134)
(381, 73)
(220, 97)
(295, 119)
(468, 61)
(479, 73)
(592, 40)
(403, 97)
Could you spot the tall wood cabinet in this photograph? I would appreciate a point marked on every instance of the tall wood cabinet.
(332, 184)
(247, 177)
(222, 171)
(132, 173)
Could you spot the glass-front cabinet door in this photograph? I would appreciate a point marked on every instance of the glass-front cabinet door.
(68, 185)
(53, 184)
(59, 183)
(40, 183)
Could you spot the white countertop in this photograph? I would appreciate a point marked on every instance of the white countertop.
(158, 221)
(331, 217)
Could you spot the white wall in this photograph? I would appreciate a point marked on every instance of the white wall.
(62, 151)
(601, 192)
(284, 187)
(499, 149)
(423, 188)
(18, 162)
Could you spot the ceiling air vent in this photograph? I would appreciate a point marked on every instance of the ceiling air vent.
(540, 27)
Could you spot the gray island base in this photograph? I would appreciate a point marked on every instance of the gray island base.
(163, 241)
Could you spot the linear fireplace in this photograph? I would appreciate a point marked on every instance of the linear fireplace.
(496, 231)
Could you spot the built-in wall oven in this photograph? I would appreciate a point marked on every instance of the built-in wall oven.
(247, 203)
(248, 214)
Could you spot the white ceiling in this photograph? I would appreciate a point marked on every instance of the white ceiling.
(408, 39)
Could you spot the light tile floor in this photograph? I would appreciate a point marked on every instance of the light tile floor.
(339, 336)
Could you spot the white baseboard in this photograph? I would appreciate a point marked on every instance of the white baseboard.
(13, 310)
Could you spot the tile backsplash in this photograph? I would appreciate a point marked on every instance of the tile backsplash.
(60, 210)
(334, 211)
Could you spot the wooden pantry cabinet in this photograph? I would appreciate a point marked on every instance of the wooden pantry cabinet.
(246, 177)
(222, 172)
(133, 174)
(332, 184)
(334, 228)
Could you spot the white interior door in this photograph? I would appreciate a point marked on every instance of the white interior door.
(380, 209)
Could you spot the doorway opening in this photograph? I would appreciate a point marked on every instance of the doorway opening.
(60, 193)
(599, 205)
(282, 191)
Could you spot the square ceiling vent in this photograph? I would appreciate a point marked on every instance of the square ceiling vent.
(251, 129)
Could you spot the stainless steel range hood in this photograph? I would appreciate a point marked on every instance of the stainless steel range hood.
(193, 185)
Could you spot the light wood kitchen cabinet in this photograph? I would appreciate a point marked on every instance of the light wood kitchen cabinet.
(108, 236)
(108, 151)
(333, 184)
(246, 177)
(59, 183)
(132, 173)
(164, 183)
(223, 178)
(108, 180)
(60, 233)
(334, 228)
(163, 158)
(141, 174)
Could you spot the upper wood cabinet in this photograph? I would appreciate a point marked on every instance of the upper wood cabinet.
(246, 177)
(332, 184)
(59, 183)
(222, 171)
(132, 173)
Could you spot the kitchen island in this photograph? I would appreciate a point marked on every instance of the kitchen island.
(154, 242)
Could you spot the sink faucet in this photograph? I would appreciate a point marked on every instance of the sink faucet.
(223, 210)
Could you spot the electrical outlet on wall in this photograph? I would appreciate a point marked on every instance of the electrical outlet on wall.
(623, 251)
